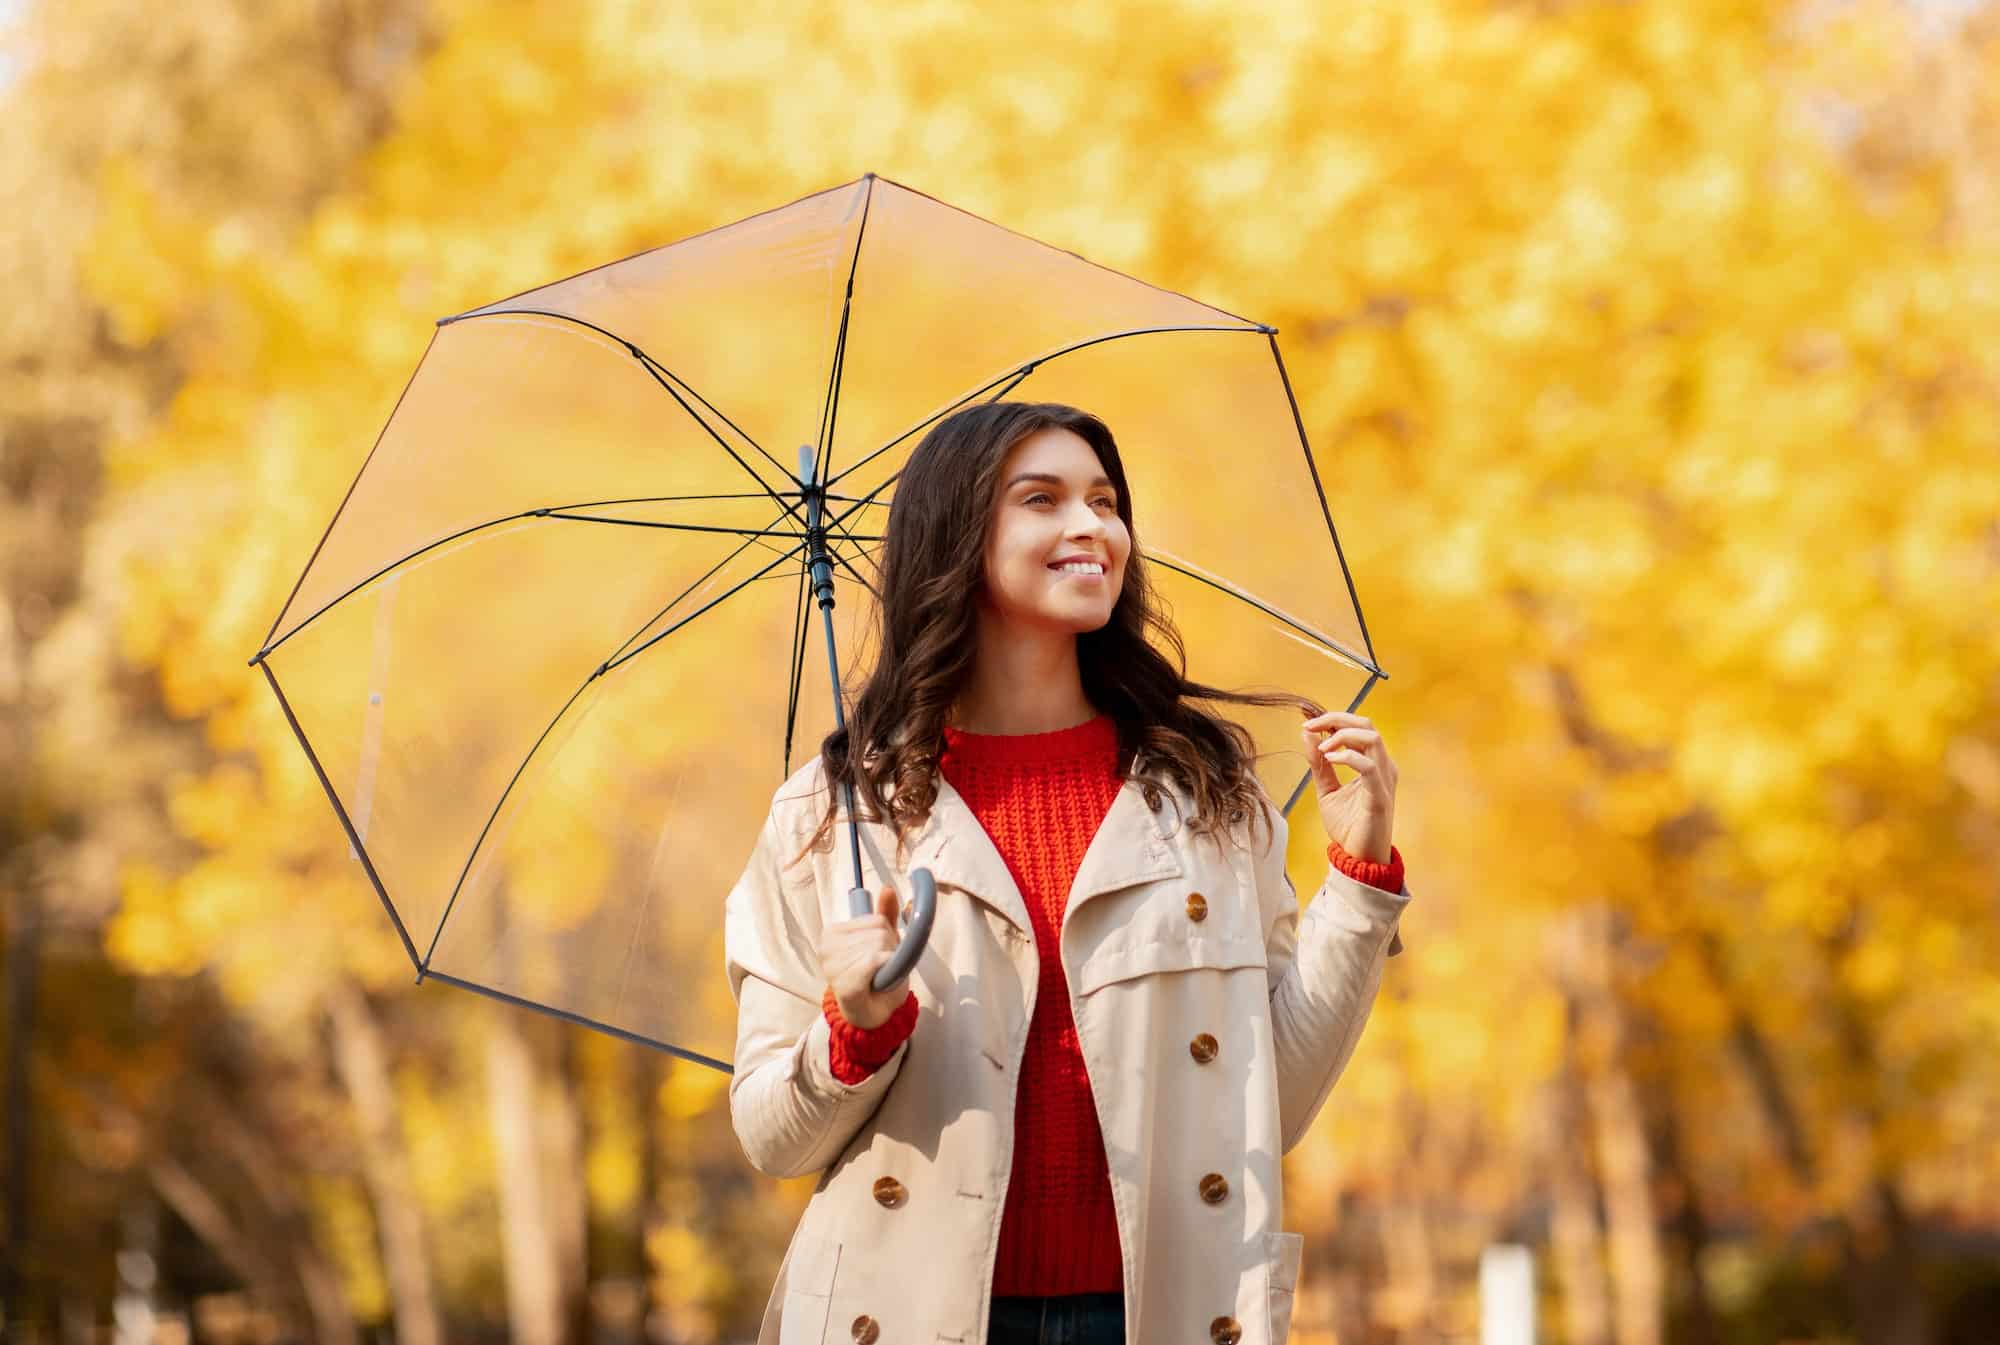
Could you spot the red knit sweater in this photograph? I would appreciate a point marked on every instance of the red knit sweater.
(1041, 797)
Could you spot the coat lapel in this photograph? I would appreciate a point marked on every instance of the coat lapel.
(1129, 847)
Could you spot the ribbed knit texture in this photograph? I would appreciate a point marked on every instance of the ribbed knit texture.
(1385, 874)
(857, 1052)
(1041, 797)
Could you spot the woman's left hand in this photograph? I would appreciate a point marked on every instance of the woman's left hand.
(1360, 816)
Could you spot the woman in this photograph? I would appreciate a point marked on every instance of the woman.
(1065, 1124)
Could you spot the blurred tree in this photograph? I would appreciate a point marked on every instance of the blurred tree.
(1645, 345)
(243, 116)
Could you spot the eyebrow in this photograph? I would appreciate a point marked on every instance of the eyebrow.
(1049, 478)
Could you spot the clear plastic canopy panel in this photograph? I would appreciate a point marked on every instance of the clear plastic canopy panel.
(557, 648)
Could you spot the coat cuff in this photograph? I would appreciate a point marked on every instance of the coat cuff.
(1375, 875)
(853, 1052)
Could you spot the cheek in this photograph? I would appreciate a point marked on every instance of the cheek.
(1013, 557)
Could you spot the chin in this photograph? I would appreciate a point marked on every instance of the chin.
(1083, 624)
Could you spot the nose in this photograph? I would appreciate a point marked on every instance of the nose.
(1086, 522)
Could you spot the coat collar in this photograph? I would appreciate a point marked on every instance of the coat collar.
(1129, 847)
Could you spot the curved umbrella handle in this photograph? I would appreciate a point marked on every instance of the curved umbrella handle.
(923, 910)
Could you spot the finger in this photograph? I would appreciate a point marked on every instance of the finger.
(1324, 780)
(1352, 737)
(860, 924)
(1339, 717)
(886, 904)
(871, 938)
(1354, 761)
(855, 970)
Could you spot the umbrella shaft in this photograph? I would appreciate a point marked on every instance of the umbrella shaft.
(813, 493)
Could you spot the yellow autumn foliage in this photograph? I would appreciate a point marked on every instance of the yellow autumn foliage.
(1651, 345)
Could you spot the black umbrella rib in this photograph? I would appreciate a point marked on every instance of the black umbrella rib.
(1043, 243)
(666, 378)
(745, 583)
(642, 252)
(636, 1038)
(346, 823)
(673, 499)
(423, 968)
(1367, 663)
(862, 502)
(699, 580)
(796, 666)
(755, 535)
(859, 578)
(678, 527)
(1325, 512)
(858, 537)
(858, 551)
(830, 408)
(467, 531)
(1021, 371)
(1012, 383)
(380, 435)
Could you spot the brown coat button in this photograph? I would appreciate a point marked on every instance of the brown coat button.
(889, 1193)
(1215, 1188)
(867, 1331)
(1197, 906)
(1225, 1331)
(1202, 1048)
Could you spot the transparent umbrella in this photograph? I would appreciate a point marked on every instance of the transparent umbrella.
(562, 639)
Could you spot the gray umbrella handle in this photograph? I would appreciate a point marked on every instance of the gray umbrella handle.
(923, 910)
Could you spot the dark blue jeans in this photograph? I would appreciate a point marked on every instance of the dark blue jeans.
(1062, 1319)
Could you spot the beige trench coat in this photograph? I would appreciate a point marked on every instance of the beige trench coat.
(1168, 939)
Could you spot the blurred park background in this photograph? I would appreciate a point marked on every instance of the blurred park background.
(1655, 347)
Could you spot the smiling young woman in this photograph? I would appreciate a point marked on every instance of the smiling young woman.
(1068, 1118)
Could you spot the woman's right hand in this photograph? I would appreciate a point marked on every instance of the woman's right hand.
(850, 953)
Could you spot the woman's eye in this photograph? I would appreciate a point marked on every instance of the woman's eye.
(1104, 500)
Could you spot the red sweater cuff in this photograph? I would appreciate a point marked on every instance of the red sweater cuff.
(855, 1052)
(1387, 876)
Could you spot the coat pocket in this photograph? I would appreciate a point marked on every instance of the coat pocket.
(1282, 1253)
(809, 1275)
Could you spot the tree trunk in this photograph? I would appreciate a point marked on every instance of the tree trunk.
(1631, 1216)
(648, 1213)
(530, 1242)
(1888, 1296)
(562, 1145)
(1616, 1123)
(1410, 1296)
(257, 1260)
(1879, 1263)
(385, 1165)
(1576, 1236)
(1687, 1226)
(24, 958)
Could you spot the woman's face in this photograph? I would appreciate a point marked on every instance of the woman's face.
(1055, 505)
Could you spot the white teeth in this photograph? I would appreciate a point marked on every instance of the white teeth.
(1079, 567)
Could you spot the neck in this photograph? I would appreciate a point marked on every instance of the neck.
(1023, 681)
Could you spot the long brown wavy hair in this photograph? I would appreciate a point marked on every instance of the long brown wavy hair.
(1134, 667)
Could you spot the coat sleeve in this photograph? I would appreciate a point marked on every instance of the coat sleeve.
(1323, 971)
(791, 1115)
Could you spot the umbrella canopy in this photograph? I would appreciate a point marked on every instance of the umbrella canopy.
(552, 655)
